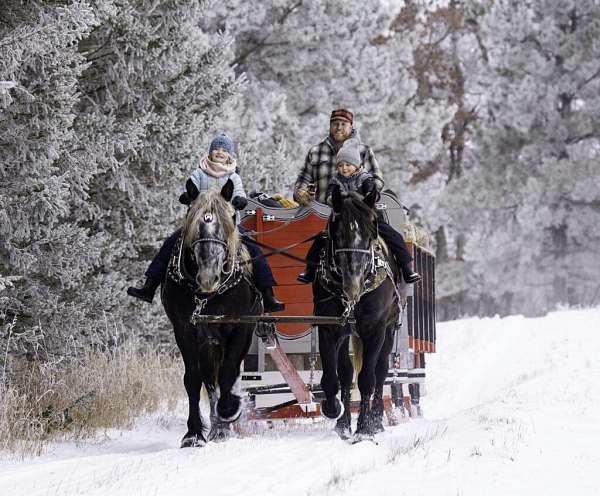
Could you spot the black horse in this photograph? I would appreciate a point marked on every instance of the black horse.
(356, 278)
(209, 273)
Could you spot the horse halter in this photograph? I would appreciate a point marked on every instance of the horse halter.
(210, 240)
(220, 242)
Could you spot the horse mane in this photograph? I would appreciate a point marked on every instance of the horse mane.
(355, 209)
(212, 201)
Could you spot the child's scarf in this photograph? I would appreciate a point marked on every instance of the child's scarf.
(216, 169)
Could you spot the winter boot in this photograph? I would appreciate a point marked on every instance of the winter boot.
(146, 292)
(410, 276)
(308, 276)
(270, 303)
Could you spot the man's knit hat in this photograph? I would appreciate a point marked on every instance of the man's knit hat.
(349, 152)
(342, 114)
(222, 141)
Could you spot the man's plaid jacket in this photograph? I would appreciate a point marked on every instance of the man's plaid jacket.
(319, 168)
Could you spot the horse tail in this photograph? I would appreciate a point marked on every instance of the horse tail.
(215, 359)
(357, 356)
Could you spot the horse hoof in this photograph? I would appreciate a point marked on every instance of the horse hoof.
(332, 413)
(193, 441)
(360, 437)
(232, 412)
(377, 428)
(219, 435)
(345, 432)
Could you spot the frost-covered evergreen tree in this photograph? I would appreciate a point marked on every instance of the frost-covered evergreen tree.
(45, 252)
(535, 200)
(155, 84)
(302, 59)
(104, 116)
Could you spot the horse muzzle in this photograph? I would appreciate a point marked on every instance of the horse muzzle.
(353, 288)
(208, 283)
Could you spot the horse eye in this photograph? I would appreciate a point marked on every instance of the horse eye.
(208, 217)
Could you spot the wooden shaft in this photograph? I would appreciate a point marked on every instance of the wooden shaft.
(252, 319)
(290, 374)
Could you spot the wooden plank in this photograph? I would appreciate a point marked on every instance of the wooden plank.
(286, 276)
(299, 293)
(276, 261)
(420, 345)
(293, 308)
(290, 374)
(288, 235)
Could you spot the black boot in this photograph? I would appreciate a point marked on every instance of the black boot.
(146, 292)
(270, 303)
(308, 276)
(410, 276)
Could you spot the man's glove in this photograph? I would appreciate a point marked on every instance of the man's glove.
(304, 197)
(239, 202)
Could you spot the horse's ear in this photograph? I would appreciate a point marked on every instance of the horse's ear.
(192, 191)
(336, 198)
(227, 190)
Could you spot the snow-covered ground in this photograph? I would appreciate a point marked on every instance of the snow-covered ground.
(513, 407)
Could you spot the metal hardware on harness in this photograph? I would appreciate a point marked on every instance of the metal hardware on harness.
(209, 240)
(200, 304)
(268, 217)
(266, 331)
(176, 272)
(354, 250)
(348, 316)
(381, 206)
(396, 373)
(233, 279)
(370, 251)
(249, 212)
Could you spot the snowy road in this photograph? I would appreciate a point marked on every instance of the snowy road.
(513, 407)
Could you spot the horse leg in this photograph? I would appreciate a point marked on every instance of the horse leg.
(219, 430)
(330, 407)
(381, 372)
(229, 405)
(193, 384)
(345, 373)
(366, 386)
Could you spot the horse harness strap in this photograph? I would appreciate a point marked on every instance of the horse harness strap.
(380, 270)
(179, 274)
(279, 251)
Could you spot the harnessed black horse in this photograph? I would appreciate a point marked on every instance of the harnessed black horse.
(355, 279)
(209, 274)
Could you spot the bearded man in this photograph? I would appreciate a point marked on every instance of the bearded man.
(314, 178)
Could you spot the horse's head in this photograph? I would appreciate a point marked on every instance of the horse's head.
(211, 236)
(353, 230)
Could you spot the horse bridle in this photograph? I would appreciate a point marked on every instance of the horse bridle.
(370, 251)
(234, 276)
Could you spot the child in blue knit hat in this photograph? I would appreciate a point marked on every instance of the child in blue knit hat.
(214, 170)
